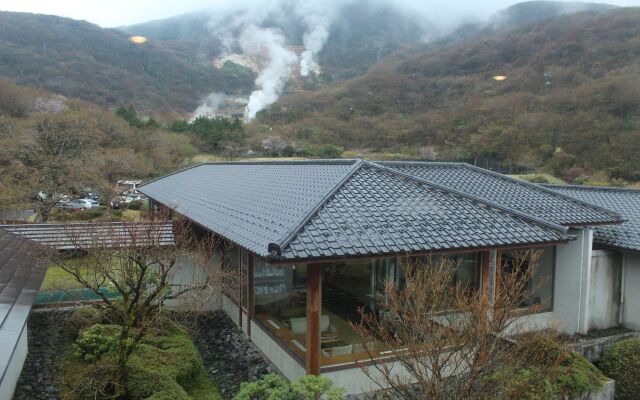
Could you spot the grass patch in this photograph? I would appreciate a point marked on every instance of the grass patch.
(58, 279)
(130, 215)
(165, 366)
(540, 178)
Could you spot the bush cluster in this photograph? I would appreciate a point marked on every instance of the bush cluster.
(273, 387)
(622, 363)
(165, 366)
(553, 372)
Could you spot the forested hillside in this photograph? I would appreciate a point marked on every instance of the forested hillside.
(79, 59)
(54, 145)
(567, 101)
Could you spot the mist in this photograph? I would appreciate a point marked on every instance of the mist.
(259, 29)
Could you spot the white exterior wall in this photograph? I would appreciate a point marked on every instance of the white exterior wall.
(14, 367)
(279, 357)
(631, 291)
(604, 301)
(572, 286)
(231, 309)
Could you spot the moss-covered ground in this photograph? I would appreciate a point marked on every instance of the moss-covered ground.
(166, 365)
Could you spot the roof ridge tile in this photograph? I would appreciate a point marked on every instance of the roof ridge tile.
(292, 232)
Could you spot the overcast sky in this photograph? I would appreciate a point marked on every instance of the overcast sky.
(112, 13)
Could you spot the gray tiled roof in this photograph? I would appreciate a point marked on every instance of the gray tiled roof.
(83, 235)
(624, 201)
(21, 274)
(513, 193)
(340, 208)
(251, 204)
(379, 210)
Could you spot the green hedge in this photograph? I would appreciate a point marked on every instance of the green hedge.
(554, 372)
(621, 363)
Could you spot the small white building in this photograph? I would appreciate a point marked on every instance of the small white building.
(613, 272)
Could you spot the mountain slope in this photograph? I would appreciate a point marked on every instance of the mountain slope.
(570, 99)
(362, 32)
(535, 11)
(79, 59)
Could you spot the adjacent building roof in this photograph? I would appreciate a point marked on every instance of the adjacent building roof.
(86, 234)
(319, 209)
(624, 201)
(514, 193)
(21, 274)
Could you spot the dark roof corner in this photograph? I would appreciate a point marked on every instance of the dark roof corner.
(274, 249)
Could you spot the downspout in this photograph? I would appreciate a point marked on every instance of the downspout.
(581, 280)
(584, 282)
(623, 274)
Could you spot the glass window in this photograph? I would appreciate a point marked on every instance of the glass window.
(280, 302)
(244, 268)
(349, 288)
(540, 285)
(467, 272)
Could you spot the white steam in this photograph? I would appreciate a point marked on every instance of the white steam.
(256, 41)
(210, 106)
(318, 17)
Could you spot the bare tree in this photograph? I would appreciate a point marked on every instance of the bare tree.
(146, 267)
(274, 144)
(440, 340)
(54, 159)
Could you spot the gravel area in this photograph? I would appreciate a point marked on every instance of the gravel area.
(47, 337)
(228, 356)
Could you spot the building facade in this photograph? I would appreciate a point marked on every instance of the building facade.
(314, 242)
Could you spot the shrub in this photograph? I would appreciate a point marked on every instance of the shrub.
(621, 362)
(165, 366)
(537, 179)
(96, 341)
(273, 387)
(553, 372)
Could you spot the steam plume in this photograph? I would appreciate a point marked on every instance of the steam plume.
(317, 16)
(210, 106)
(272, 78)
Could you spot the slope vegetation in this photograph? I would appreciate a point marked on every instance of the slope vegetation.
(79, 59)
(568, 99)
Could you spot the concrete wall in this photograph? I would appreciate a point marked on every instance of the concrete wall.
(631, 291)
(572, 285)
(604, 301)
(14, 367)
(280, 358)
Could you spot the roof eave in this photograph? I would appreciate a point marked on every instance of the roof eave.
(284, 260)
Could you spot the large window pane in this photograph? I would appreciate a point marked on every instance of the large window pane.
(280, 303)
(244, 268)
(540, 285)
(467, 265)
(348, 288)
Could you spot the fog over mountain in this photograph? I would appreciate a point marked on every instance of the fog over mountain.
(332, 39)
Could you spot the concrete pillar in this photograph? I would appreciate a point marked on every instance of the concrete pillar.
(573, 282)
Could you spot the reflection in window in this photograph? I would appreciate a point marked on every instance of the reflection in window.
(540, 285)
(280, 302)
(244, 268)
(467, 265)
(348, 288)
